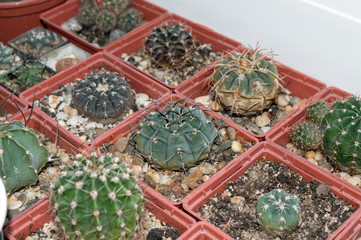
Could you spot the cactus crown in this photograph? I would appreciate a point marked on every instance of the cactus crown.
(169, 46)
(40, 39)
(307, 135)
(29, 73)
(98, 199)
(175, 137)
(6, 57)
(117, 6)
(317, 111)
(246, 83)
(21, 156)
(106, 20)
(103, 96)
(130, 19)
(278, 212)
(86, 14)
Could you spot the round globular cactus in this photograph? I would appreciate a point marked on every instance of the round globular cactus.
(341, 128)
(317, 111)
(86, 14)
(40, 38)
(105, 20)
(6, 57)
(307, 135)
(176, 137)
(117, 6)
(103, 96)
(130, 19)
(278, 212)
(169, 46)
(98, 199)
(21, 156)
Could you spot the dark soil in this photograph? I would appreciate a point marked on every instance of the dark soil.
(235, 208)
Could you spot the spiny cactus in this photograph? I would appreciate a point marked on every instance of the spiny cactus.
(169, 46)
(97, 199)
(317, 111)
(176, 137)
(117, 6)
(103, 96)
(40, 39)
(29, 73)
(278, 212)
(106, 20)
(6, 57)
(341, 128)
(130, 19)
(21, 156)
(246, 83)
(86, 14)
(307, 135)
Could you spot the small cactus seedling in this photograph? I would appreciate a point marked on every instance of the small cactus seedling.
(29, 73)
(106, 21)
(278, 212)
(341, 128)
(117, 6)
(86, 14)
(169, 46)
(176, 137)
(246, 83)
(40, 39)
(21, 156)
(6, 57)
(103, 96)
(130, 19)
(307, 135)
(317, 111)
(98, 199)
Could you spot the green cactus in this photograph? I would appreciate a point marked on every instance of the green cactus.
(307, 135)
(103, 96)
(130, 19)
(176, 137)
(6, 57)
(40, 39)
(86, 14)
(317, 111)
(105, 21)
(341, 128)
(21, 156)
(169, 46)
(29, 73)
(117, 6)
(245, 83)
(278, 212)
(97, 199)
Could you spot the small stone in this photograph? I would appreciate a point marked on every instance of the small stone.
(65, 26)
(74, 121)
(215, 106)
(312, 160)
(236, 199)
(154, 175)
(231, 133)
(91, 125)
(354, 181)
(73, 113)
(185, 187)
(13, 203)
(115, 34)
(282, 100)
(191, 179)
(323, 189)
(74, 24)
(83, 138)
(289, 146)
(288, 109)
(121, 144)
(143, 64)
(237, 147)
(318, 156)
(265, 129)
(205, 178)
(51, 170)
(262, 121)
(62, 116)
(205, 100)
(54, 100)
(221, 165)
(142, 100)
(98, 132)
(327, 166)
(67, 109)
(206, 168)
(164, 179)
(136, 169)
(295, 100)
(310, 154)
(280, 115)
(345, 176)
(137, 59)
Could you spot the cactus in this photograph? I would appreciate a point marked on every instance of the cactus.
(29, 73)
(86, 14)
(306, 135)
(6, 57)
(97, 199)
(169, 46)
(103, 96)
(130, 19)
(176, 137)
(117, 6)
(341, 128)
(40, 39)
(246, 83)
(317, 111)
(105, 21)
(21, 156)
(278, 212)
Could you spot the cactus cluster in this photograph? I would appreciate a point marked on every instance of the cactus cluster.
(307, 135)
(21, 156)
(98, 198)
(245, 83)
(169, 46)
(103, 96)
(40, 39)
(6, 57)
(130, 19)
(278, 212)
(176, 136)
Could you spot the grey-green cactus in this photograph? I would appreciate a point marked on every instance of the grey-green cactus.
(175, 137)
(29, 73)
(40, 39)
(307, 135)
(317, 111)
(278, 212)
(98, 199)
(117, 6)
(130, 19)
(6, 57)
(21, 156)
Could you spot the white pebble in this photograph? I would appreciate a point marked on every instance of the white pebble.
(237, 147)
(262, 121)
(62, 116)
(154, 175)
(54, 100)
(74, 121)
(205, 100)
(283, 100)
(142, 99)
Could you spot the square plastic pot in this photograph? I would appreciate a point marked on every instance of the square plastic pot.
(298, 83)
(42, 212)
(10, 103)
(130, 125)
(205, 35)
(54, 18)
(204, 231)
(139, 82)
(274, 153)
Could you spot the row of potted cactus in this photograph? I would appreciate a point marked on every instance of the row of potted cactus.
(184, 146)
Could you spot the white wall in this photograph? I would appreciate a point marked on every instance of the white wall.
(321, 38)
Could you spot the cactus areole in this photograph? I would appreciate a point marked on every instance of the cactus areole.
(175, 137)
(246, 83)
(278, 212)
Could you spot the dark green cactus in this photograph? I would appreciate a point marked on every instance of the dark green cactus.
(40, 39)
(103, 96)
(98, 199)
(341, 128)
(169, 46)
(86, 14)
(6, 57)
(246, 83)
(117, 6)
(130, 19)
(317, 111)
(307, 135)
(278, 212)
(176, 137)
(29, 73)
(21, 156)
(105, 20)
